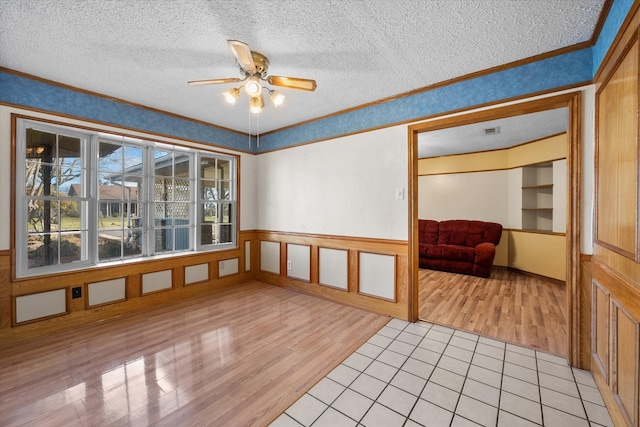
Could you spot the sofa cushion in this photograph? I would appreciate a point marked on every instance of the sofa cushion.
(468, 233)
(453, 232)
(492, 232)
(451, 252)
(428, 231)
(423, 249)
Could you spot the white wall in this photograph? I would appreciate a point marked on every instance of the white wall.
(248, 197)
(476, 195)
(588, 168)
(345, 186)
(5, 177)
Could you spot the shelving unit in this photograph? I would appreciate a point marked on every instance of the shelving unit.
(537, 197)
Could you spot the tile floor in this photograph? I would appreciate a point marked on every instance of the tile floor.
(420, 374)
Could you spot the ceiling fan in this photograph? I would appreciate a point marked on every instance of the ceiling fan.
(254, 68)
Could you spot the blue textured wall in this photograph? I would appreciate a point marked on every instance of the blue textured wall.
(18, 90)
(617, 14)
(551, 73)
(548, 74)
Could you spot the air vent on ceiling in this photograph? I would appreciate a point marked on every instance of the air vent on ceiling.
(492, 131)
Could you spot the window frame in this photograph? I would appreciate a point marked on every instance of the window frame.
(90, 201)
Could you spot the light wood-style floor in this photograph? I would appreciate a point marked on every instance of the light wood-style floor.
(509, 306)
(236, 358)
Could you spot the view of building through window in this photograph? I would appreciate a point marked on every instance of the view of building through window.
(87, 198)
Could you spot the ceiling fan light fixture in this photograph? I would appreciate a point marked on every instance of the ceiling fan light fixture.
(252, 86)
(256, 103)
(254, 70)
(276, 97)
(231, 95)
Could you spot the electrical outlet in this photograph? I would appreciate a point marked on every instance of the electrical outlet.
(289, 265)
(76, 292)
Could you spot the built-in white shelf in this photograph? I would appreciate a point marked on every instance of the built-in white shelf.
(537, 197)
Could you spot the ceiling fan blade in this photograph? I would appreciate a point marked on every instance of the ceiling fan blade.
(242, 52)
(293, 82)
(213, 81)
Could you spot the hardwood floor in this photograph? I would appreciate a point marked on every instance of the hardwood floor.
(509, 306)
(235, 358)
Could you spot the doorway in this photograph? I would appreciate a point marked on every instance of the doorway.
(569, 101)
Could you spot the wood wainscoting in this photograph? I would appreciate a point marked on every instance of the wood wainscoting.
(615, 349)
(139, 286)
(615, 288)
(211, 276)
(390, 299)
(584, 315)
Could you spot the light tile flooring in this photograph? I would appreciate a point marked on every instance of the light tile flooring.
(420, 374)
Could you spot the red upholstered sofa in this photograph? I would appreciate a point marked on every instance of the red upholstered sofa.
(458, 246)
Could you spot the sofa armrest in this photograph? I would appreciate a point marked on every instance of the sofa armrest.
(485, 253)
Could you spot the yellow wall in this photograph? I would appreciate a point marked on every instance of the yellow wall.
(502, 250)
(539, 253)
(544, 150)
(552, 148)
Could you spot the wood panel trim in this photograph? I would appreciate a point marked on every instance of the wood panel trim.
(610, 402)
(316, 278)
(573, 226)
(632, 419)
(625, 294)
(14, 311)
(314, 264)
(398, 307)
(330, 241)
(184, 273)
(85, 294)
(586, 304)
(395, 276)
(603, 365)
(286, 262)
(622, 46)
(612, 248)
(621, 288)
(551, 233)
(173, 286)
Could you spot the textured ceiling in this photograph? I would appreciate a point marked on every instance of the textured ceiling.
(358, 51)
(509, 132)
